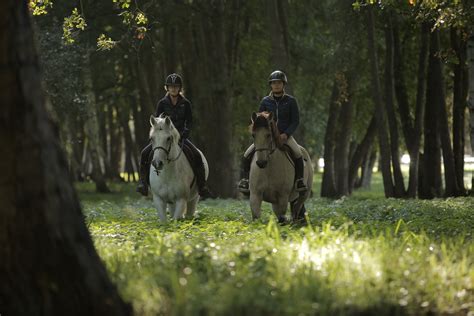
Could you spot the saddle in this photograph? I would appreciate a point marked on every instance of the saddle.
(289, 153)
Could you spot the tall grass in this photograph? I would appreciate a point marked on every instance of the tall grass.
(358, 256)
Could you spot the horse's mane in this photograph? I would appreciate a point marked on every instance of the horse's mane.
(263, 120)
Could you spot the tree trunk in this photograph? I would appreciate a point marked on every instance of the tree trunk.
(49, 265)
(278, 29)
(328, 184)
(419, 113)
(346, 116)
(460, 92)
(212, 130)
(392, 119)
(91, 129)
(439, 102)
(470, 102)
(366, 172)
(431, 185)
(379, 108)
(401, 88)
(361, 152)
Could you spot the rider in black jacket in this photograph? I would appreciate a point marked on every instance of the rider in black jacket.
(178, 108)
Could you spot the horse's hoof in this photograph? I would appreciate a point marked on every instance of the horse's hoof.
(282, 220)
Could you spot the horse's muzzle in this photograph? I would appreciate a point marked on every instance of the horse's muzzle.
(157, 165)
(262, 163)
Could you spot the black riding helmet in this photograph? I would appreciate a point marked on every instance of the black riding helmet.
(174, 80)
(277, 75)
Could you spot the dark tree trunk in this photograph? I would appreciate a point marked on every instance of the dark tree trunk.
(431, 182)
(461, 82)
(213, 133)
(141, 114)
(366, 172)
(470, 103)
(328, 185)
(115, 143)
(401, 88)
(439, 102)
(130, 152)
(278, 29)
(346, 116)
(92, 128)
(379, 108)
(414, 151)
(361, 152)
(48, 262)
(392, 119)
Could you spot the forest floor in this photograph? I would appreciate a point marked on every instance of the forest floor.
(362, 255)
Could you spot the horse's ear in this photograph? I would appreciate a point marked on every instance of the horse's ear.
(254, 117)
(270, 116)
(152, 120)
(168, 121)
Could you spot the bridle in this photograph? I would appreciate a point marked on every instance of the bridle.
(167, 151)
(272, 147)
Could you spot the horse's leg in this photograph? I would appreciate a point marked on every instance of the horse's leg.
(297, 209)
(255, 205)
(192, 207)
(280, 209)
(179, 209)
(160, 205)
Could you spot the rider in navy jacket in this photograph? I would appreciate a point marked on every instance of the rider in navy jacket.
(285, 110)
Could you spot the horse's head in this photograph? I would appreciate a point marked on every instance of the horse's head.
(264, 135)
(164, 138)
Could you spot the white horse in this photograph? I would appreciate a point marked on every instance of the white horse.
(172, 180)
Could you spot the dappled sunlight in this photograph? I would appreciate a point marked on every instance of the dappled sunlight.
(356, 254)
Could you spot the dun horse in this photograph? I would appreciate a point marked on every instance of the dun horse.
(172, 179)
(272, 172)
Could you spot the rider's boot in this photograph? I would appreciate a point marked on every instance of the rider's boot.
(200, 172)
(142, 186)
(243, 185)
(300, 186)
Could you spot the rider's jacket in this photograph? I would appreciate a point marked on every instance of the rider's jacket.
(180, 114)
(285, 111)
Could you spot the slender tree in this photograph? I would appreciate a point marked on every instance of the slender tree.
(379, 107)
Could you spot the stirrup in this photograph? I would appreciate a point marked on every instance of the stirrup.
(300, 186)
(244, 186)
(142, 188)
(205, 194)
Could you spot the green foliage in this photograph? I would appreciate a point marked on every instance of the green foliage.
(441, 13)
(358, 256)
(40, 7)
(123, 4)
(105, 43)
(71, 25)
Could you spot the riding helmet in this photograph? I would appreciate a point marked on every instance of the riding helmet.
(277, 75)
(174, 80)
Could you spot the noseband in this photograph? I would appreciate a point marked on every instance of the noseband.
(167, 151)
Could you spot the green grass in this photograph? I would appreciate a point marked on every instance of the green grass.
(363, 255)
